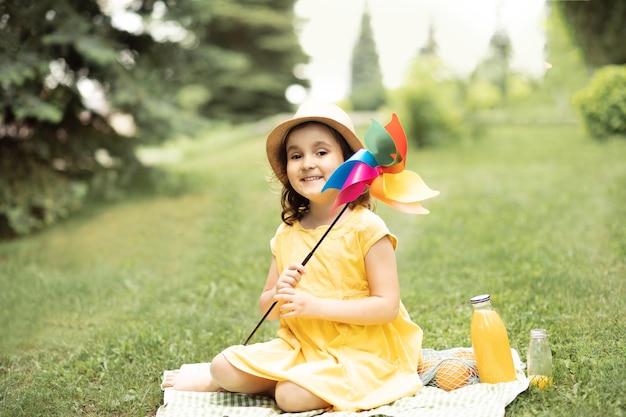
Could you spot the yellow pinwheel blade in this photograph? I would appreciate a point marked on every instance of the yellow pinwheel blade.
(410, 208)
(404, 187)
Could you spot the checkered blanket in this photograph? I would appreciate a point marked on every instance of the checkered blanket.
(476, 400)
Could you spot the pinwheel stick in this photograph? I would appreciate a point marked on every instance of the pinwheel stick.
(304, 262)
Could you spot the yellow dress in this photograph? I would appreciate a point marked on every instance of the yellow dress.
(353, 367)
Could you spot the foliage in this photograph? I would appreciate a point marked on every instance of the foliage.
(602, 104)
(244, 40)
(482, 94)
(545, 98)
(566, 71)
(95, 308)
(32, 196)
(429, 103)
(367, 91)
(79, 91)
(495, 67)
(598, 27)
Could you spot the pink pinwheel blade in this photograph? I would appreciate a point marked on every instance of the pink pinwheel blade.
(360, 173)
(349, 194)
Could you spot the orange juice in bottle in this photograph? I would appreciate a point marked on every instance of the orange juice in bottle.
(491, 343)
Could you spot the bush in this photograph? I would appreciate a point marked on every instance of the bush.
(430, 104)
(45, 176)
(602, 104)
(32, 195)
(481, 94)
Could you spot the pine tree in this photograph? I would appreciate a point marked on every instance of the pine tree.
(496, 66)
(598, 28)
(430, 47)
(203, 58)
(367, 90)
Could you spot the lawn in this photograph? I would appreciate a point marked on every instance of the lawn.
(95, 308)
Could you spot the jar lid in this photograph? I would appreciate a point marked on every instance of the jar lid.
(538, 333)
(480, 298)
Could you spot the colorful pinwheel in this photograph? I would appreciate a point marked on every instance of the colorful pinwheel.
(381, 166)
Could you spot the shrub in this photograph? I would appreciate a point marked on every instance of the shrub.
(481, 94)
(428, 105)
(602, 104)
(33, 196)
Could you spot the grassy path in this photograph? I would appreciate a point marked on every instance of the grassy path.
(94, 309)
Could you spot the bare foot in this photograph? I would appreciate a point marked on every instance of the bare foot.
(183, 380)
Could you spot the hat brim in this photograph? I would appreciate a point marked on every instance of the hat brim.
(276, 138)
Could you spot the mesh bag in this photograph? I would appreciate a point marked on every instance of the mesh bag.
(448, 369)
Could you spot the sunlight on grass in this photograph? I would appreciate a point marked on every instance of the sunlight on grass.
(95, 308)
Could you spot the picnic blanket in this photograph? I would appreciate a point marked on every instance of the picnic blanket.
(475, 400)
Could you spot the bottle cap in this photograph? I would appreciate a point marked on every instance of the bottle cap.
(538, 333)
(480, 298)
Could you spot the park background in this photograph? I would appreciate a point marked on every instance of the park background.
(135, 206)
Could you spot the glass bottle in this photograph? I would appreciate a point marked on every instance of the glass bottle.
(539, 359)
(490, 341)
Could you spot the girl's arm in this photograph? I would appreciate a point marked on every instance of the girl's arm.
(382, 306)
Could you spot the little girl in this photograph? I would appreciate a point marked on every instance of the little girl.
(345, 340)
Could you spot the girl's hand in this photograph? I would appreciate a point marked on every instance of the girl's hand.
(297, 303)
(289, 279)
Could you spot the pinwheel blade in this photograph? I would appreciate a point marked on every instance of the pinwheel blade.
(361, 167)
(349, 194)
(380, 143)
(399, 138)
(394, 127)
(409, 208)
(404, 187)
(340, 176)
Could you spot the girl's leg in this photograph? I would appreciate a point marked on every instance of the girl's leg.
(222, 377)
(229, 378)
(185, 380)
(293, 398)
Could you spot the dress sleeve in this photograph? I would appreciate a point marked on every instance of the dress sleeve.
(273, 245)
(374, 229)
(273, 239)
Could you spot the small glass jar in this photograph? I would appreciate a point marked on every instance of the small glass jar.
(539, 359)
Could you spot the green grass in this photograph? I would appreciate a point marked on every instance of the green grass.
(94, 309)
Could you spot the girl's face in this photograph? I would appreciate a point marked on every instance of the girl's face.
(313, 154)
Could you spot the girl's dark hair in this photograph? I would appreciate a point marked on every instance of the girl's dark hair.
(296, 206)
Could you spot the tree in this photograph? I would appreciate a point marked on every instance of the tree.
(430, 47)
(566, 71)
(367, 90)
(69, 72)
(429, 100)
(598, 28)
(258, 39)
(488, 85)
(500, 46)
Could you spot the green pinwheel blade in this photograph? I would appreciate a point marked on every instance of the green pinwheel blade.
(380, 143)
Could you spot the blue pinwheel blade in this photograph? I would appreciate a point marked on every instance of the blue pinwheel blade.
(357, 163)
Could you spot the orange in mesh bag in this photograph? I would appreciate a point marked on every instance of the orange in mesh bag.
(448, 369)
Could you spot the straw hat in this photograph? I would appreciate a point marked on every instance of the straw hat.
(309, 111)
